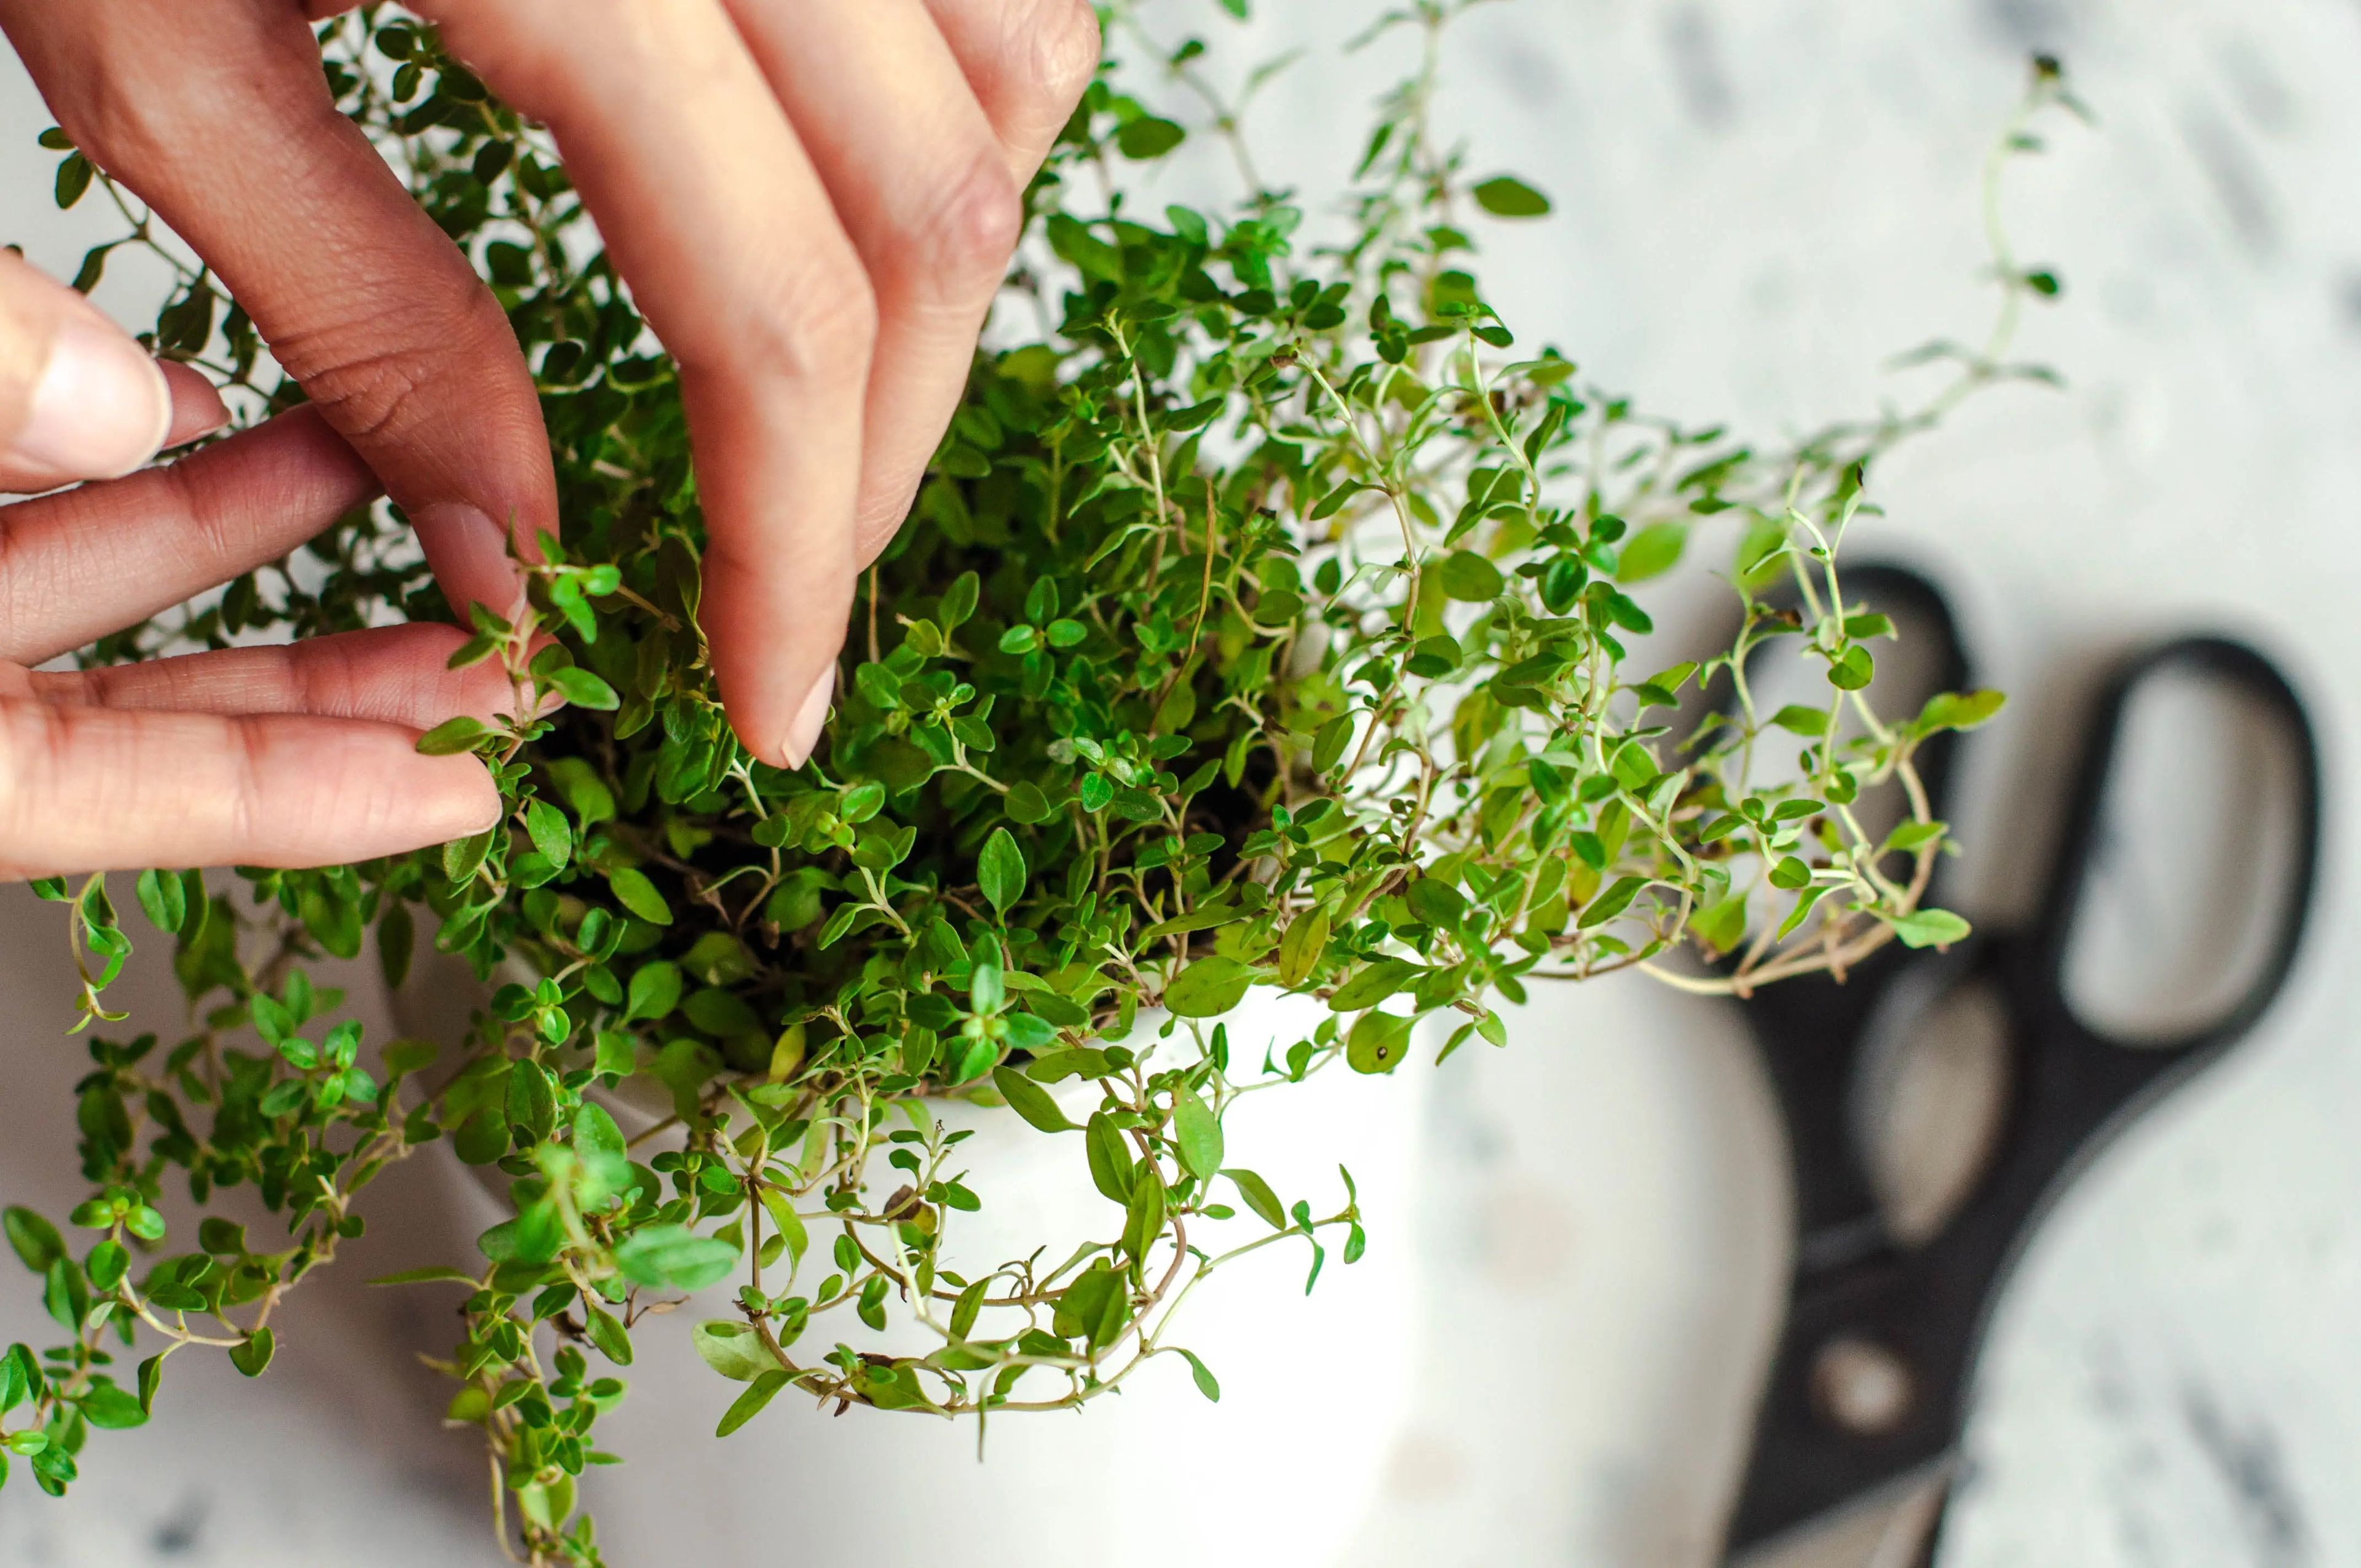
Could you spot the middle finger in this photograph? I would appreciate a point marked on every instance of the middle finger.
(925, 189)
(712, 213)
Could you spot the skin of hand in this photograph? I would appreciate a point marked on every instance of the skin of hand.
(272, 756)
(813, 202)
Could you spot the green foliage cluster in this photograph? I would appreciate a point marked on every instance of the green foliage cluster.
(1265, 622)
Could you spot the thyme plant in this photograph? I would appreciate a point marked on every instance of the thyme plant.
(1265, 622)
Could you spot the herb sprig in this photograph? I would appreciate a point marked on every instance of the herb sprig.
(1265, 622)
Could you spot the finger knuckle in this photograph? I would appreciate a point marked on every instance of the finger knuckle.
(37, 739)
(820, 323)
(137, 111)
(1059, 44)
(327, 678)
(968, 230)
(374, 373)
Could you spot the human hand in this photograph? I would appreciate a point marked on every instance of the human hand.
(813, 202)
(271, 756)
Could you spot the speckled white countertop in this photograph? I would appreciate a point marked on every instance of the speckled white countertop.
(1758, 200)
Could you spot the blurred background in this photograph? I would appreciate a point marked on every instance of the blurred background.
(1758, 203)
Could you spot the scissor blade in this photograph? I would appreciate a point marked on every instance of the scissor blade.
(1890, 1527)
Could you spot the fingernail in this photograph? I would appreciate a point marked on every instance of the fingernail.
(100, 407)
(803, 733)
(469, 554)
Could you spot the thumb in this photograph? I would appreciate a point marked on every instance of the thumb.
(79, 397)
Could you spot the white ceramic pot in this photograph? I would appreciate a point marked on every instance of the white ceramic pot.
(1314, 1389)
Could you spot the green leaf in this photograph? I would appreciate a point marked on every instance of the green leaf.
(1377, 1043)
(1209, 988)
(584, 792)
(606, 1332)
(74, 178)
(1436, 902)
(616, 1054)
(1143, 1213)
(1025, 803)
(1331, 503)
(1469, 577)
(397, 940)
(1000, 870)
(35, 1240)
(549, 831)
(1110, 1166)
(1030, 1100)
(733, 1349)
(1911, 837)
(427, 1276)
(1806, 901)
(1505, 196)
(20, 1376)
(582, 688)
(1195, 920)
(959, 600)
(463, 856)
(93, 268)
(635, 893)
(483, 1137)
(965, 1309)
(1652, 552)
(1300, 950)
(673, 1258)
(1958, 710)
(107, 1263)
(1328, 746)
(1198, 1133)
(1202, 1375)
(1372, 985)
(655, 991)
(1148, 137)
(111, 1408)
(1929, 929)
(1797, 719)
(531, 1102)
(255, 1354)
(1720, 925)
(599, 1145)
(165, 898)
(453, 736)
(749, 1405)
(1259, 1197)
(782, 1210)
(1611, 903)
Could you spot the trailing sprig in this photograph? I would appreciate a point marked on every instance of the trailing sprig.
(1265, 622)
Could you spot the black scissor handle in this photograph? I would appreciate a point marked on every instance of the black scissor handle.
(2253, 679)
(1811, 1028)
(1924, 1308)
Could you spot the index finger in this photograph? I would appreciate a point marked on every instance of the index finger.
(215, 112)
(88, 789)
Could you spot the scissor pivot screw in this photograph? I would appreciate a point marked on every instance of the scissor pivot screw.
(1862, 1386)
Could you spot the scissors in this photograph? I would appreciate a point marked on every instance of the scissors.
(1856, 1439)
